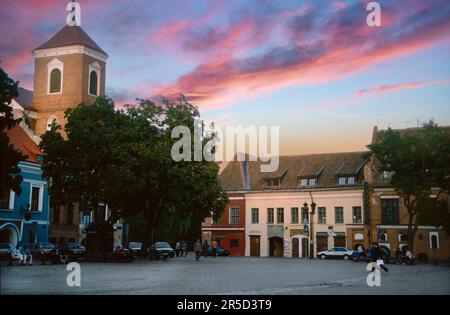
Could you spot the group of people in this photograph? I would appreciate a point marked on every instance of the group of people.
(377, 253)
(403, 256)
(22, 255)
(181, 249)
(200, 249)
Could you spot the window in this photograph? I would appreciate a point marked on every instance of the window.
(322, 218)
(55, 81)
(270, 217)
(234, 243)
(52, 120)
(307, 182)
(36, 198)
(305, 218)
(294, 215)
(341, 180)
(93, 79)
(357, 215)
(273, 182)
(351, 181)
(339, 215)
(434, 240)
(234, 215)
(69, 214)
(280, 215)
(255, 215)
(402, 237)
(7, 199)
(389, 211)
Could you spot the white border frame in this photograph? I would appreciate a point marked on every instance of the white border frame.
(95, 66)
(41, 196)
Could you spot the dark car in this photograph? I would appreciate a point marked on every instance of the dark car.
(5, 251)
(135, 249)
(44, 251)
(160, 250)
(73, 250)
(122, 254)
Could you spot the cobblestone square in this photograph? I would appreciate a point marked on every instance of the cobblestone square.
(227, 276)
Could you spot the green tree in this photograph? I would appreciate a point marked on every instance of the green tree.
(419, 160)
(9, 157)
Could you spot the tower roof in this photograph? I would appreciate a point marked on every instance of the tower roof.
(71, 35)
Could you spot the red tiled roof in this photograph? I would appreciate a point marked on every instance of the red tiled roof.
(71, 35)
(22, 142)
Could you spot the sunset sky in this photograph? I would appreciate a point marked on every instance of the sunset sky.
(314, 68)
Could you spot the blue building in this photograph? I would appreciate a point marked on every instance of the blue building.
(25, 218)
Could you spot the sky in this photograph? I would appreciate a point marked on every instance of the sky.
(313, 68)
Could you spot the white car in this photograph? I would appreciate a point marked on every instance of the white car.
(336, 252)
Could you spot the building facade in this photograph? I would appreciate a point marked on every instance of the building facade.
(24, 217)
(276, 220)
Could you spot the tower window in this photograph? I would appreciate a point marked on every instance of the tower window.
(55, 81)
(93, 83)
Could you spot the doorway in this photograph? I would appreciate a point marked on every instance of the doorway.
(255, 245)
(305, 247)
(276, 246)
(295, 247)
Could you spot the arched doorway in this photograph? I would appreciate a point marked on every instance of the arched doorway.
(9, 233)
(295, 247)
(276, 246)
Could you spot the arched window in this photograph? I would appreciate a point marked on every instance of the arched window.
(52, 120)
(55, 73)
(55, 81)
(93, 83)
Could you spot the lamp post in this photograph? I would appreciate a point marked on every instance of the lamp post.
(311, 226)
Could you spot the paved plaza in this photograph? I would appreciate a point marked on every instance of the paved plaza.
(225, 275)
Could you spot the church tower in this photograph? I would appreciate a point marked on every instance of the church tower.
(70, 69)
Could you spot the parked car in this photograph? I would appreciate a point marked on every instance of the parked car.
(160, 250)
(219, 250)
(44, 252)
(73, 250)
(122, 254)
(5, 250)
(336, 252)
(135, 249)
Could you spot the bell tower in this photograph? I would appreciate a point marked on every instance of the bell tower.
(69, 69)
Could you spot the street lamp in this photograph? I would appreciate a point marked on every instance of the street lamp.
(311, 226)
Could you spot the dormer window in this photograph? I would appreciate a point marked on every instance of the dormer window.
(351, 180)
(273, 182)
(342, 181)
(305, 182)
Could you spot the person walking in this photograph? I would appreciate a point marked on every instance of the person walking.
(181, 248)
(177, 248)
(214, 248)
(205, 248)
(197, 249)
(185, 249)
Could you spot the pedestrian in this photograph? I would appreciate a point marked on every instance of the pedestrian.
(185, 249)
(177, 248)
(181, 248)
(214, 248)
(205, 248)
(377, 254)
(197, 249)
(398, 256)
